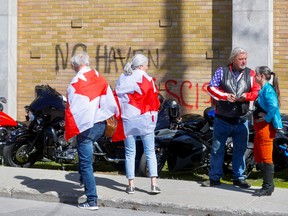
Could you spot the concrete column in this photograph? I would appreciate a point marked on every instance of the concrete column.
(8, 60)
(253, 30)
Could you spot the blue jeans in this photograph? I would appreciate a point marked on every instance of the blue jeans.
(149, 150)
(85, 142)
(239, 133)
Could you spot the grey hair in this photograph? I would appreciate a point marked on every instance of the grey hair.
(264, 70)
(136, 61)
(80, 59)
(235, 52)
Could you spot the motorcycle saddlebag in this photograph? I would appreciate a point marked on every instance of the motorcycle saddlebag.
(195, 122)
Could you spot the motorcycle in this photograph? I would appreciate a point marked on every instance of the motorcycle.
(7, 124)
(280, 146)
(44, 137)
(186, 144)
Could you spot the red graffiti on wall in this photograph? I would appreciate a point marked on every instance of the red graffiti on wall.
(184, 89)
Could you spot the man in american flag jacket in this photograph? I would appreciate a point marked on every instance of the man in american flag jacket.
(234, 89)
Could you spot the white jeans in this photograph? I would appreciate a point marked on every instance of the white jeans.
(148, 141)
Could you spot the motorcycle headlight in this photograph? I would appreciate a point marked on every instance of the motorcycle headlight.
(62, 123)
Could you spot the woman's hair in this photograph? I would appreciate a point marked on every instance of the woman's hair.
(235, 52)
(266, 71)
(80, 59)
(136, 61)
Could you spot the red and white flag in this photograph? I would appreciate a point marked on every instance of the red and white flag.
(138, 102)
(89, 100)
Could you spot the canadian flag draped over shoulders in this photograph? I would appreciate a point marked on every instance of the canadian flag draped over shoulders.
(89, 100)
(137, 98)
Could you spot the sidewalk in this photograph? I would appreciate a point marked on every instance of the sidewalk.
(177, 197)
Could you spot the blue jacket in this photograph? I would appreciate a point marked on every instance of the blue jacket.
(268, 101)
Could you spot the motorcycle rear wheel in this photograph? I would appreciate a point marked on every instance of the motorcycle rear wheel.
(16, 155)
(161, 157)
(279, 159)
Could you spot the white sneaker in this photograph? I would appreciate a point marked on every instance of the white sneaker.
(155, 189)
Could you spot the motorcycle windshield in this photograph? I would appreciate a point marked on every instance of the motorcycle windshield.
(47, 97)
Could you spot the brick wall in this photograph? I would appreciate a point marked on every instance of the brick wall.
(184, 40)
(281, 49)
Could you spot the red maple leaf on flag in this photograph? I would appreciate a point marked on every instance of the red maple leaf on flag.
(148, 100)
(95, 86)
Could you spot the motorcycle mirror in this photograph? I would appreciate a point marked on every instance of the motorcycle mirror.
(3, 100)
(64, 98)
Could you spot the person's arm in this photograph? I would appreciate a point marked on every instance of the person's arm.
(255, 87)
(272, 105)
(214, 89)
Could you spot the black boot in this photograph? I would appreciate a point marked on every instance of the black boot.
(268, 180)
(260, 168)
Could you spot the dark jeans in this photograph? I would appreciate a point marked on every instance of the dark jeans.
(239, 133)
(85, 142)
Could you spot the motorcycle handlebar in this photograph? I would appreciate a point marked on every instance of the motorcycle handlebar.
(280, 134)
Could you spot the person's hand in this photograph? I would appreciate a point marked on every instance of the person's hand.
(242, 98)
(261, 115)
(231, 98)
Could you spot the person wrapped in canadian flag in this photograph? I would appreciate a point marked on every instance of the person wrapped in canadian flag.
(137, 98)
(90, 101)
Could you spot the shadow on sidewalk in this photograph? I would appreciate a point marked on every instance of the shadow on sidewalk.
(67, 192)
(230, 188)
(104, 182)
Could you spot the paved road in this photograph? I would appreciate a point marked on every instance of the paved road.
(24, 207)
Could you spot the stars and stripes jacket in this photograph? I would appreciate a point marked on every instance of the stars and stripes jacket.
(225, 81)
